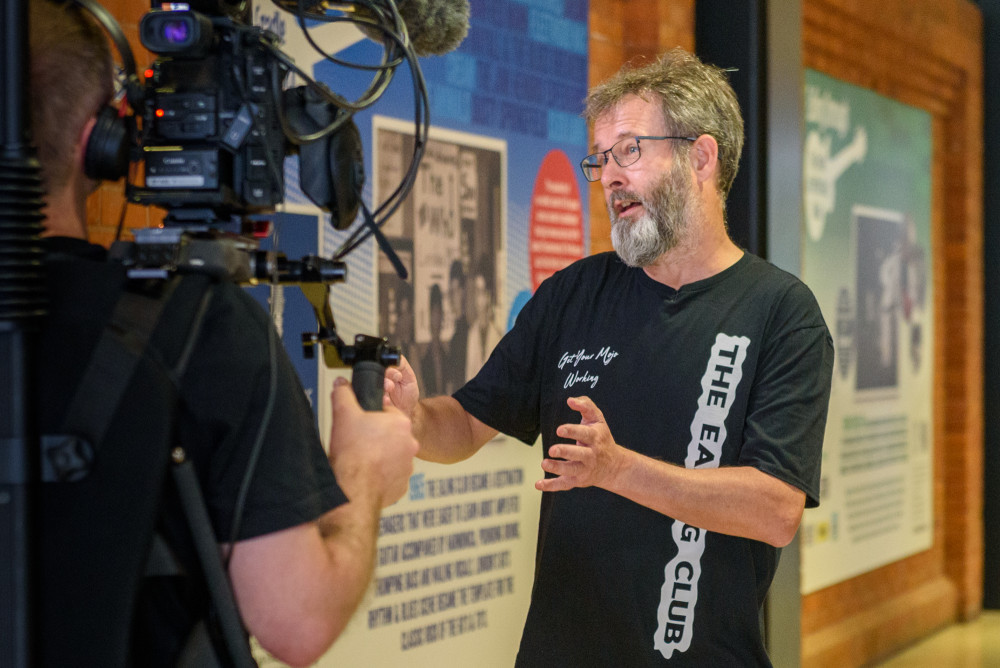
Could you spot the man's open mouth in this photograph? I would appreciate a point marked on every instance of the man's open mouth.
(623, 206)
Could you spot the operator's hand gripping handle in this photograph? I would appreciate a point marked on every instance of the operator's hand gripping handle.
(368, 356)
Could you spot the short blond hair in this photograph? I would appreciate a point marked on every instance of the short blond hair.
(71, 77)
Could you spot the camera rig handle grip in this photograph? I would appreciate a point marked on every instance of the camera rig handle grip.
(368, 357)
(367, 379)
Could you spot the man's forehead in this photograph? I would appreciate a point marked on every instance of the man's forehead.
(630, 117)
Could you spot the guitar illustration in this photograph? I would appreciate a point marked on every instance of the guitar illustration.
(822, 171)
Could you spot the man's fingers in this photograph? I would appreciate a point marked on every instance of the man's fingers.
(576, 432)
(569, 452)
(553, 485)
(587, 409)
(343, 396)
(565, 466)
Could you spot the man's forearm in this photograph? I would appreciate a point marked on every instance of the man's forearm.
(446, 433)
(740, 501)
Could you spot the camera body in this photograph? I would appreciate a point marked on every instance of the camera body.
(211, 141)
(216, 126)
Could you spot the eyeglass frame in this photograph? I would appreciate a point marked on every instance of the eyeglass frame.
(637, 138)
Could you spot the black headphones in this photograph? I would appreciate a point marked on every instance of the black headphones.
(107, 155)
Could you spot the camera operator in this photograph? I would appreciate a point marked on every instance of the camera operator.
(304, 551)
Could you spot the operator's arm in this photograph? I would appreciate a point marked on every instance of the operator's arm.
(739, 501)
(297, 588)
(445, 431)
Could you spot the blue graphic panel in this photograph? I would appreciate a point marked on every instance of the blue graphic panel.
(519, 75)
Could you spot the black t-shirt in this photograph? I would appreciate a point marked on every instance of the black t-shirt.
(223, 400)
(733, 370)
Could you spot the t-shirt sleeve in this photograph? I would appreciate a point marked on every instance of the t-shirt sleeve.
(505, 394)
(786, 418)
(254, 423)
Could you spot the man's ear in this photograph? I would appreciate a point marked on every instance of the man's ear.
(705, 157)
(80, 149)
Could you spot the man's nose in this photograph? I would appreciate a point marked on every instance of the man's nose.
(613, 175)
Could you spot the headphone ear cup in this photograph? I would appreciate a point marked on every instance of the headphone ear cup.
(347, 175)
(106, 157)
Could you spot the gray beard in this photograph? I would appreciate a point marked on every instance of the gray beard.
(662, 226)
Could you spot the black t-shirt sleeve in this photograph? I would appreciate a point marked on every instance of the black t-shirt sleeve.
(250, 413)
(786, 415)
(506, 393)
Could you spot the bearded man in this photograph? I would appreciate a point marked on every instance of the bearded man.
(680, 386)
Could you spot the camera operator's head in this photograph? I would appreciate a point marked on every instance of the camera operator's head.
(71, 79)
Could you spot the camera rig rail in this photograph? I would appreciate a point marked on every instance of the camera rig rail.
(158, 253)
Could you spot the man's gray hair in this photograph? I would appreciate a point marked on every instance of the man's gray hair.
(696, 99)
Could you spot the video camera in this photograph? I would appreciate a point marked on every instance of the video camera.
(217, 124)
(213, 125)
(210, 109)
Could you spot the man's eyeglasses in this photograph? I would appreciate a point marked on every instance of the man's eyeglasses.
(625, 153)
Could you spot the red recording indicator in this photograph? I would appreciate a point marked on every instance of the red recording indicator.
(260, 229)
